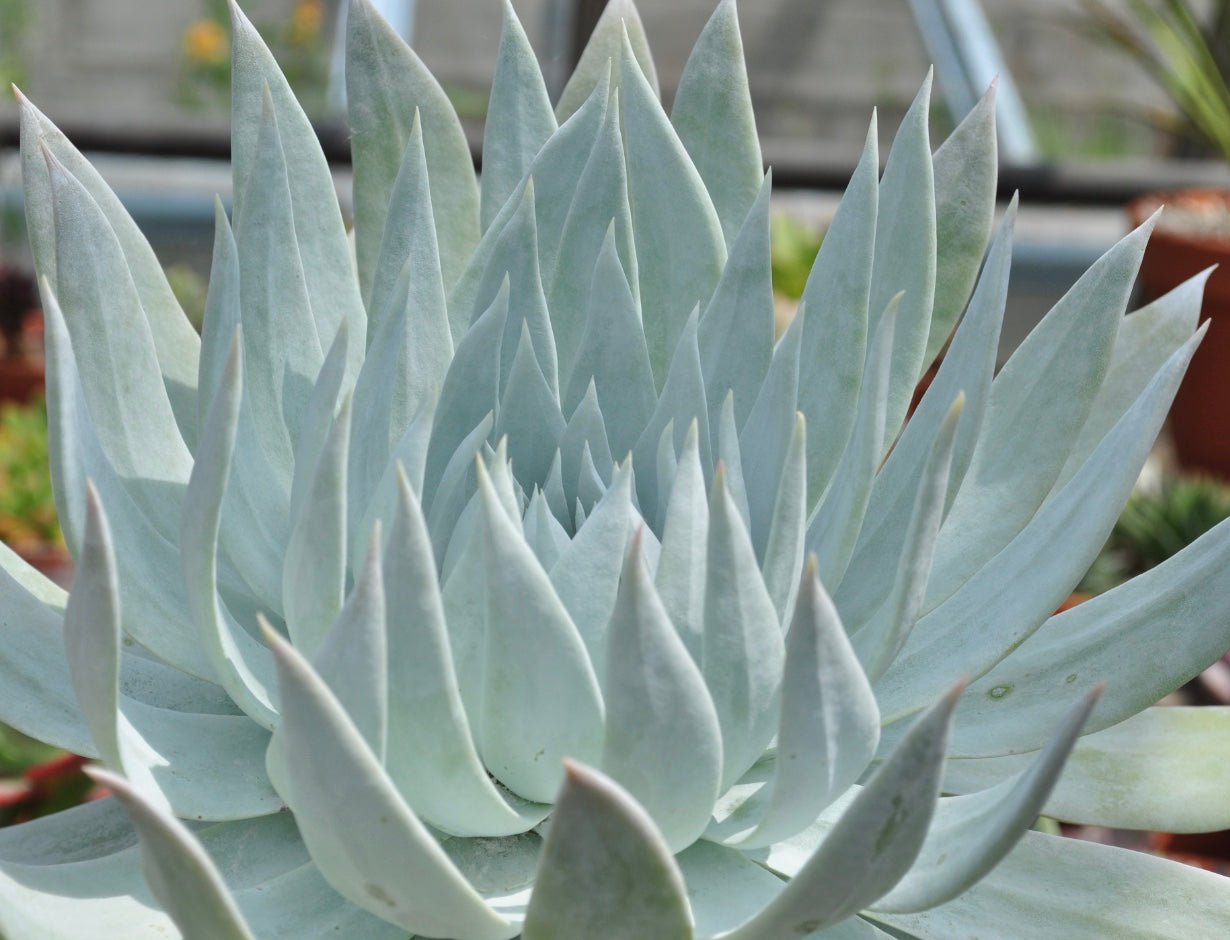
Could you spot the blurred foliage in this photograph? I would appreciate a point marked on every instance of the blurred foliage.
(1155, 526)
(37, 779)
(16, 17)
(27, 506)
(189, 289)
(300, 42)
(794, 244)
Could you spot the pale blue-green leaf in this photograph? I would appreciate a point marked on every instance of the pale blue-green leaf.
(768, 433)
(742, 648)
(832, 532)
(177, 868)
(1125, 637)
(872, 845)
(1163, 769)
(585, 429)
(1056, 371)
(318, 421)
(155, 607)
(367, 843)
(579, 515)
(986, 825)
(114, 350)
(543, 532)
(967, 369)
(834, 344)
(255, 503)
(283, 347)
(712, 114)
(431, 756)
(519, 117)
(514, 259)
(590, 485)
(667, 466)
(317, 235)
(599, 205)
(410, 454)
(1146, 338)
(783, 556)
(682, 402)
(553, 494)
(725, 886)
(541, 700)
(1035, 572)
(679, 245)
(605, 869)
(502, 481)
(879, 640)
(612, 356)
(830, 724)
(386, 83)
(607, 45)
(905, 256)
(353, 656)
(529, 415)
(242, 665)
(587, 575)
(470, 391)
(680, 577)
(556, 171)
(1047, 881)
(31, 580)
(736, 329)
(965, 169)
(730, 455)
(456, 488)
(175, 341)
(663, 743)
(314, 574)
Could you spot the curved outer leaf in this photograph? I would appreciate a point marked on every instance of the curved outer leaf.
(965, 168)
(1047, 882)
(830, 724)
(114, 351)
(663, 743)
(712, 114)
(742, 649)
(519, 117)
(177, 868)
(834, 342)
(905, 255)
(243, 667)
(431, 756)
(606, 44)
(318, 236)
(736, 329)
(985, 825)
(1054, 372)
(611, 353)
(534, 660)
(605, 870)
(871, 846)
(385, 84)
(1163, 769)
(683, 565)
(1034, 573)
(679, 245)
(175, 341)
(368, 844)
(783, 556)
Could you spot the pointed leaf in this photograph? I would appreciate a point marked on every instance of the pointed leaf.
(606, 43)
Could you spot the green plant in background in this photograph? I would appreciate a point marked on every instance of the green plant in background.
(794, 244)
(17, 17)
(299, 41)
(27, 504)
(1155, 525)
(1189, 60)
(505, 548)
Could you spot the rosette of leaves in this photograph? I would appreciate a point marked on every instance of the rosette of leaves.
(505, 549)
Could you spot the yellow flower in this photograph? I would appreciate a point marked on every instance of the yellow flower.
(305, 21)
(205, 41)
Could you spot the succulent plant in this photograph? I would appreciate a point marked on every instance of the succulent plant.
(505, 549)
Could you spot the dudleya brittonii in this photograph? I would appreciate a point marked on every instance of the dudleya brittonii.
(508, 551)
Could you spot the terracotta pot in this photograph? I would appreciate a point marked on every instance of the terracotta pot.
(1200, 417)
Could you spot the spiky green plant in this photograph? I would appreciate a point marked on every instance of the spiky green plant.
(482, 543)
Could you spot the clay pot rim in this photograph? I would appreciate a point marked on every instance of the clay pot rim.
(1142, 207)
